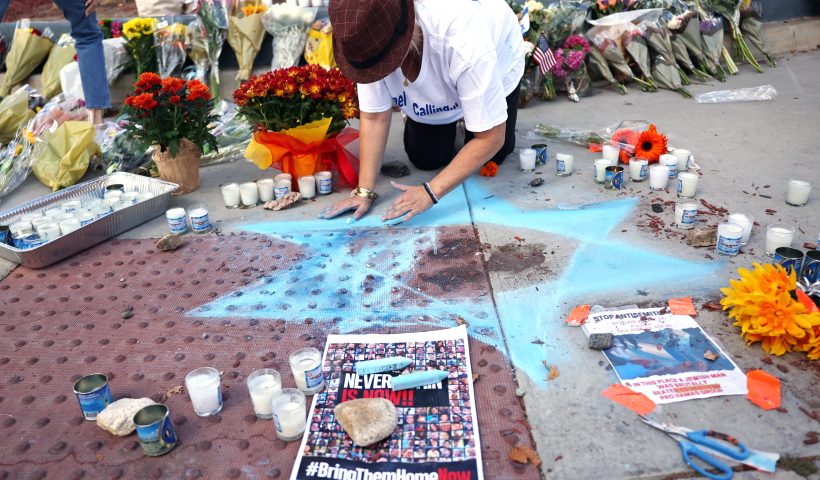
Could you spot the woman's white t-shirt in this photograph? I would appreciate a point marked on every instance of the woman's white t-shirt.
(473, 57)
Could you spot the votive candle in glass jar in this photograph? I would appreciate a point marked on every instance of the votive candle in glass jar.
(658, 177)
(797, 192)
(205, 389)
(638, 169)
(306, 365)
(263, 385)
(230, 194)
(778, 236)
(249, 193)
(289, 414)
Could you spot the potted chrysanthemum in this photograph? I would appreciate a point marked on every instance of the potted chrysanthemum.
(172, 115)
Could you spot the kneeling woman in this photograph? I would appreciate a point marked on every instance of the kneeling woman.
(440, 61)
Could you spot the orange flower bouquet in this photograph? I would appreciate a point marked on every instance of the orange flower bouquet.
(300, 119)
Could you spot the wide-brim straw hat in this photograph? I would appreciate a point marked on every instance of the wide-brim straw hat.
(371, 37)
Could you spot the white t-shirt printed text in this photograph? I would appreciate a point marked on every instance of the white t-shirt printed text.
(473, 58)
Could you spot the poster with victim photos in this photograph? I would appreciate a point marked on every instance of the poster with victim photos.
(437, 433)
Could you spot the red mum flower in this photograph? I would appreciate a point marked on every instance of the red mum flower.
(146, 101)
(175, 99)
(172, 84)
(197, 90)
(148, 81)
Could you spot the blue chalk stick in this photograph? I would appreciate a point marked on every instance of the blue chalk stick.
(388, 364)
(418, 379)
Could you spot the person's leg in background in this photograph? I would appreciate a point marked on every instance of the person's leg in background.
(88, 37)
(429, 147)
(509, 135)
(4, 5)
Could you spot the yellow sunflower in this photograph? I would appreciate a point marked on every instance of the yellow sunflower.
(762, 305)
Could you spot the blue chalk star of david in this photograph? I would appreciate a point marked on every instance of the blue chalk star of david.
(356, 277)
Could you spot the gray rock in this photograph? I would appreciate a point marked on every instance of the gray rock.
(169, 242)
(702, 236)
(118, 417)
(367, 420)
(600, 341)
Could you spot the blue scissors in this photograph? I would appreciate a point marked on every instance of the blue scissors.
(689, 440)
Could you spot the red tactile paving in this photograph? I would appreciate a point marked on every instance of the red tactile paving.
(66, 321)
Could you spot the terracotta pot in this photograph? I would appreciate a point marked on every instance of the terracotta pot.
(182, 169)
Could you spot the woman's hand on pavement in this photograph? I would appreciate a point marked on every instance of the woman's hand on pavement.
(360, 205)
(413, 201)
(90, 7)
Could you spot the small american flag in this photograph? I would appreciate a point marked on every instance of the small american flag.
(543, 55)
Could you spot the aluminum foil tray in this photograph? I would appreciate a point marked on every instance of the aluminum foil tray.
(95, 232)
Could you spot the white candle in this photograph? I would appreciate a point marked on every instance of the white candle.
(687, 184)
(563, 164)
(778, 236)
(611, 153)
(306, 366)
(600, 169)
(101, 210)
(683, 158)
(85, 217)
(324, 182)
(177, 221)
(51, 213)
(265, 187)
(200, 222)
(797, 192)
(527, 159)
(671, 162)
(307, 186)
(36, 222)
(49, 231)
(745, 221)
(230, 194)
(69, 225)
(289, 414)
(282, 188)
(249, 194)
(112, 194)
(686, 214)
(130, 197)
(263, 385)
(90, 203)
(72, 205)
(283, 176)
(658, 177)
(729, 236)
(638, 169)
(205, 389)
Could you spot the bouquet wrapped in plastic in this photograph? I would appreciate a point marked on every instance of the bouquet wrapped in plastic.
(15, 112)
(599, 66)
(659, 40)
(752, 27)
(29, 48)
(121, 152)
(15, 158)
(213, 21)
(61, 156)
(110, 28)
(170, 44)
(666, 75)
(730, 10)
(117, 58)
(232, 136)
(711, 32)
(319, 45)
(139, 42)
(289, 26)
(624, 135)
(196, 39)
(61, 55)
(245, 34)
(636, 46)
(565, 18)
(570, 67)
(685, 28)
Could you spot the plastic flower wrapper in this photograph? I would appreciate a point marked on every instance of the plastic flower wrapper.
(15, 112)
(170, 44)
(289, 26)
(730, 10)
(61, 157)
(635, 45)
(658, 38)
(565, 18)
(245, 34)
(117, 58)
(29, 48)
(319, 45)
(195, 39)
(752, 28)
(624, 135)
(120, 152)
(597, 63)
(685, 29)
(61, 55)
(711, 31)
(213, 16)
(139, 42)
(682, 57)
(232, 136)
(665, 73)
(15, 158)
(570, 66)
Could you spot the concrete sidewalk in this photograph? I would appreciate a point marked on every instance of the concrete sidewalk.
(545, 254)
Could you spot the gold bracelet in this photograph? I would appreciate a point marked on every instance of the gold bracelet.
(365, 193)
